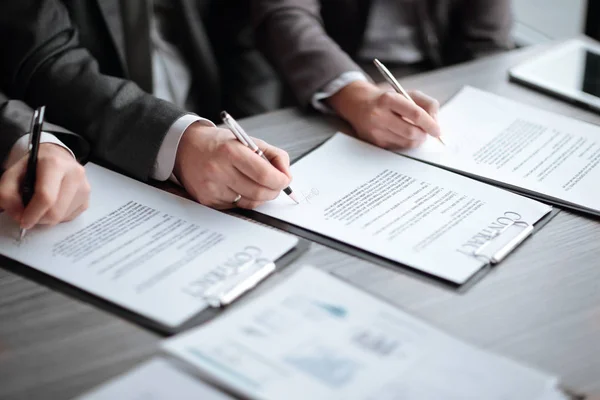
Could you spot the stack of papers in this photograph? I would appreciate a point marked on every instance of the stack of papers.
(403, 210)
(541, 154)
(146, 250)
(316, 337)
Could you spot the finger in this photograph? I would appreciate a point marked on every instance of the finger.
(248, 204)
(258, 169)
(47, 187)
(213, 194)
(10, 196)
(64, 203)
(384, 138)
(401, 127)
(427, 103)
(75, 213)
(249, 189)
(407, 109)
(279, 158)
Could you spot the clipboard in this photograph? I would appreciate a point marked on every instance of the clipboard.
(493, 251)
(249, 276)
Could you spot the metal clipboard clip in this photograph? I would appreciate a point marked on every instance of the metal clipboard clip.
(501, 244)
(243, 279)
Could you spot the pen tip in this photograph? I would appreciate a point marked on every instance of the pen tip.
(441, 139)
(223, 114)
(21, 234)
(293, 197)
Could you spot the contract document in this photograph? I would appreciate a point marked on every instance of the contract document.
(540, 154)
(144, 249)
(406, 211)
(156, 379)
(316, 337)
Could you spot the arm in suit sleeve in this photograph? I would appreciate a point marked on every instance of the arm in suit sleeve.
(43, 63)
(292, 35)
(15, 119)
(485, 27)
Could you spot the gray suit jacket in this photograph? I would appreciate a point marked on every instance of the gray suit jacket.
(311, 42)
(15, 120)
(70, 56)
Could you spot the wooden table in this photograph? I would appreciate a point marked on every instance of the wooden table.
(541, 306)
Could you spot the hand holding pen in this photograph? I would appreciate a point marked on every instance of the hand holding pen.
(400, 90)
(384, 118)
(46, 185)
(247, 141)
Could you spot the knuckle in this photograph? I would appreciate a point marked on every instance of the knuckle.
(228, 147)
(386, 98)
(284, 155)
(79, 171)
(258, 193)
(45, 197)
(52, 217)
(52, 161)
(414, 133)
(263, 175)
(413, 114)
(210, 188)
(87, 189)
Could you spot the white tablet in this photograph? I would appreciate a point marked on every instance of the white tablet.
(570, 71)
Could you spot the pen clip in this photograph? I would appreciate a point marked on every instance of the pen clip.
(494, 250)
(246, 277)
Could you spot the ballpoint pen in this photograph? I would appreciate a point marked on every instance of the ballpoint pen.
(246, 140)
(35, 134)
(397, 87)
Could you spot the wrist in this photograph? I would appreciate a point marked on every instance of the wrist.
(351, 98)
(56, 149)
(192, 145)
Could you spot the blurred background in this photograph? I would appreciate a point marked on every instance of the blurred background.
(539, 21)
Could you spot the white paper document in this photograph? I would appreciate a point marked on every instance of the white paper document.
(316, 337)
(541, 154)
(156, 379)
(144, 249)
(401, 209)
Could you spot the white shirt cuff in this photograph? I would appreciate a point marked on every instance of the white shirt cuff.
(335, 86)
(21, 147)
(165, 160)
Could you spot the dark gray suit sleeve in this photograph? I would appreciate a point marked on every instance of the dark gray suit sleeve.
(292, 35)
(485, 27)
(15, 120)
(44, 64)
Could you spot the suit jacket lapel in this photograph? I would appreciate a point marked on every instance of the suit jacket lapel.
(112, 15)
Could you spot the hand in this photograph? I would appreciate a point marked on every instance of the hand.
(214, 168)
(61, 191)
(386, 118)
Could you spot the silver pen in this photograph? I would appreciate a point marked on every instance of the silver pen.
(246, 140)
(397, 87)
